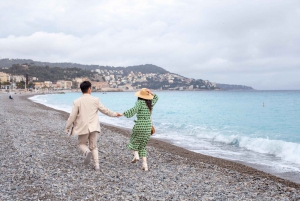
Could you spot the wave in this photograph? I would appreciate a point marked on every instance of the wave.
(286, 151)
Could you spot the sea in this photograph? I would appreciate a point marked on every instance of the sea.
(258, 128)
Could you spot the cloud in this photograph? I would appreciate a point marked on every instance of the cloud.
(240, 42)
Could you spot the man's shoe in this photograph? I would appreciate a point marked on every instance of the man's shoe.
(97, 167)
(88, 156)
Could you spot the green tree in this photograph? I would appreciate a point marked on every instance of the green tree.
(74, 85)
(5, 83)
(30, 85)
(21, 85)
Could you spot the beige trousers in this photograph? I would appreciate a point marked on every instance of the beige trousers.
(88, 142)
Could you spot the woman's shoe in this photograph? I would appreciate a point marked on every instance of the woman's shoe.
(136, 157)
(145, 166)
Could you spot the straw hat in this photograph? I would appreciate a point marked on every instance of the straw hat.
(144, 94)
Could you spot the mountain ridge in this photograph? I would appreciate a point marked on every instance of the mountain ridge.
(147, 68)
(87, 69)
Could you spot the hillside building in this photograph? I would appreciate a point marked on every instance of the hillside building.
(48, 84)
(4, 77)
(99, 85)
(62, 84)
(38, 85)
(19, 78)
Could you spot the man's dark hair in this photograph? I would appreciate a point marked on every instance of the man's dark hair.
(84, 86)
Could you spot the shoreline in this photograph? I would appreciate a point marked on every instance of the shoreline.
(40, 162)
(240, 167)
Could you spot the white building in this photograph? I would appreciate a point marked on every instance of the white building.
(19, 78)
(62, 84)
(48, 84)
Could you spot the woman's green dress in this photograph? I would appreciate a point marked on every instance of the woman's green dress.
(142, 129)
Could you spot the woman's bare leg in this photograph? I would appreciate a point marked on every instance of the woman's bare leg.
(145, 166)
(136, 157)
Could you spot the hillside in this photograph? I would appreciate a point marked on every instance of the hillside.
(45, 73)
(147, 75)
(147, 68)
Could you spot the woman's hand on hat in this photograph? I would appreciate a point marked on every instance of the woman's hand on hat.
(149, 92)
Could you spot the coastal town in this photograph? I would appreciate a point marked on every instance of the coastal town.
(102, 80)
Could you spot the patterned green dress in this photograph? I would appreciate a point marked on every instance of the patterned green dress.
(142, 129)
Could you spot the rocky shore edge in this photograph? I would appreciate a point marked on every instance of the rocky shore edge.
(39, 162)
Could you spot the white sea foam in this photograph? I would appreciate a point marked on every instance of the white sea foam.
(42, 99)
(286, 151)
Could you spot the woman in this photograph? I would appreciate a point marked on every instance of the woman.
(142, 129)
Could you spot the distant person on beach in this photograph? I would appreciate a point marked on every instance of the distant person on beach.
(85, 121)
(142, 129)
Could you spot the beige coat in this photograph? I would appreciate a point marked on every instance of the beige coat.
(84, 115)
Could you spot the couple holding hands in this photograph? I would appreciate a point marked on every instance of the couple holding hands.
(84, 122)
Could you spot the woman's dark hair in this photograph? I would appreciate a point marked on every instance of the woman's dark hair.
(84, 86)
(148, 103)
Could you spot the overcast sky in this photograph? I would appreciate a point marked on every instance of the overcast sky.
(252, 42)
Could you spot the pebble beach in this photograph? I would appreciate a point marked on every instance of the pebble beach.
(38, 161)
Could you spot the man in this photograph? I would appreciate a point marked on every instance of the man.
(85, 121)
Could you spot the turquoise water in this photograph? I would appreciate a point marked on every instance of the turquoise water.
(256, 127)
